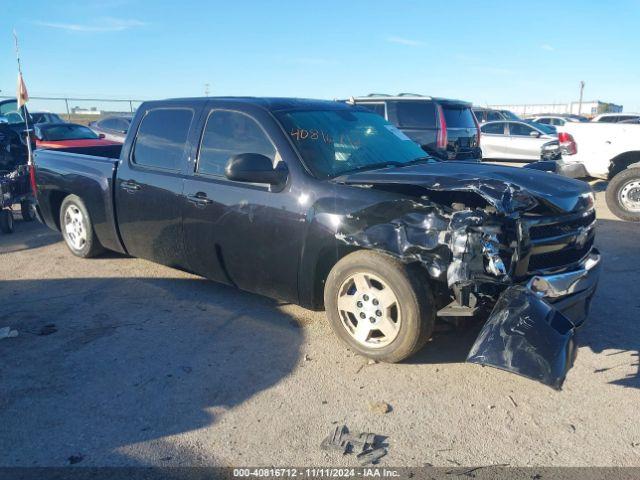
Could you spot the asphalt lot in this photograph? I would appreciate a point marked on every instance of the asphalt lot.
(122, 362)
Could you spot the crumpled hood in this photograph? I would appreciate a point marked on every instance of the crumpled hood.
(508, 189)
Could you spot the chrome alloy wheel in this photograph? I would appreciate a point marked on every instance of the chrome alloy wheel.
(74, 226)
(629, 196)
(369, 310)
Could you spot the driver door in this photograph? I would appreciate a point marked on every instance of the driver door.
(524, 146)
(242, 234)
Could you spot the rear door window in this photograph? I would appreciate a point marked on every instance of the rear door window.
(162, 138)
(375, 108)
(229, 133)
(458, 117)
(493, 128)
(416, 114)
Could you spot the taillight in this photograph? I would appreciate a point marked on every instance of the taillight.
(32, 179)
(568, 144)
(441, 138)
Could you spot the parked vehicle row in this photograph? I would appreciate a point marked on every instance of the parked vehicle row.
(607, 151)
(330, 206)
(444, 128)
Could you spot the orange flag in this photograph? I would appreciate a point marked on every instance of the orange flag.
(23, 95)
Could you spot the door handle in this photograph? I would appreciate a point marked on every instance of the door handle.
(199, 199)
(130, 186)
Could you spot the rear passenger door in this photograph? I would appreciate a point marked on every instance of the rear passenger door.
(495, 142)
(242, 234)
(149, 185)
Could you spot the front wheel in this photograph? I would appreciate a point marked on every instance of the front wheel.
(380, 307)
(623, 195)
(77, 228)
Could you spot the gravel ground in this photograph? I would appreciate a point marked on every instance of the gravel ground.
(122, 362)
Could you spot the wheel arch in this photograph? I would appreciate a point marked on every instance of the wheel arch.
(622, 162)
(56, 197)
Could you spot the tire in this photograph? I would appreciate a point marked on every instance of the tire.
(26, 208)
(623, 195)
(404, 326)
(6, 221)
(77, 229)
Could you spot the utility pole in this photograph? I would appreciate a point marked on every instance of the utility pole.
(206, 89)
(580, 101)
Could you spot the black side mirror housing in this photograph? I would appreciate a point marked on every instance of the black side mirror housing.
(255, 168)
(535, 134)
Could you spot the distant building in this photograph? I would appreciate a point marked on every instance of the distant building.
(588, 108)
(86, 111)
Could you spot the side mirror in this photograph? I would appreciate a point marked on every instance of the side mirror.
(255, 168)
(535, 134)
(101, 135)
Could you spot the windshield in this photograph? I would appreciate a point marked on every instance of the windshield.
(11, 113)
(67, 132)
(334, 142)
(509, 115)
(548, 129)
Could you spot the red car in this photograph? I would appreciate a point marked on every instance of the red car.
(65, 135)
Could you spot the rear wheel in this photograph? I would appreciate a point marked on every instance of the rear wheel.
(623, 195)
(77, 228)
(6, 221)
(379, 306)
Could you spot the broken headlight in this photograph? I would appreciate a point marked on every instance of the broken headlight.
(494, 264)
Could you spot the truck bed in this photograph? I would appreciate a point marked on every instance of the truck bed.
(88, 172)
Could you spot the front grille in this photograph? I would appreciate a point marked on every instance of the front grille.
(560, 243)
(567, 256)
(557, 229)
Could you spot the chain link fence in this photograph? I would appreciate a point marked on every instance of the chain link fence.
(82, 110)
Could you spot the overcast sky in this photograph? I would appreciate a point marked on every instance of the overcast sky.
(485, 52)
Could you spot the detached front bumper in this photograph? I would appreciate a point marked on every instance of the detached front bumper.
(532, 326)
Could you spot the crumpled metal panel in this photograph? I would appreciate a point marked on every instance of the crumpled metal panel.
(527, 336)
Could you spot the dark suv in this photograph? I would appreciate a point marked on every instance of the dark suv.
(444, 128)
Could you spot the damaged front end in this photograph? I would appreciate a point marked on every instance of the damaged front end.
(493, 246)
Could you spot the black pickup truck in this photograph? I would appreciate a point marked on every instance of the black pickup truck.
(329, 206)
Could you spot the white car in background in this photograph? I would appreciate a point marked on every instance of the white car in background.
(518, 140)
(614, 117)
(610, 151)
(557, 120)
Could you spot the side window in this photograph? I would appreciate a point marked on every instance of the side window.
(520, 130)
(109, 124)
(161, 138)
(493, 116)
(479, 114)
(546, 121)
(416, 114)
(493, 128)
(227, 134)
(374, 107)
